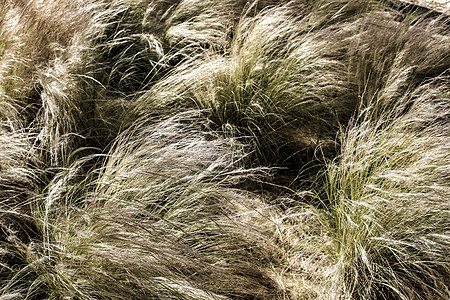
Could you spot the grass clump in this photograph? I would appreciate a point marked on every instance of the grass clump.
(46, 84)
(387, 196)
(161, 220)
(273, 80)
(391, 62)
(184, 149)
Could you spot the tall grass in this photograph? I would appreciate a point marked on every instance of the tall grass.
(160, 219)
(20, 176)
(185, 149)
(390, 62)
(273, 79)
(45, 85)
(387, 197)
(290, 75)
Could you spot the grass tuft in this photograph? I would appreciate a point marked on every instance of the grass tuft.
(387, 196)
(185, 149)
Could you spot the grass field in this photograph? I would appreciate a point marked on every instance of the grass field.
(187, 149)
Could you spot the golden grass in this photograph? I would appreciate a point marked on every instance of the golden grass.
(185, 149)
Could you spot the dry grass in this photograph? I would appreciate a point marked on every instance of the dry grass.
(388, 194)
(185, 149)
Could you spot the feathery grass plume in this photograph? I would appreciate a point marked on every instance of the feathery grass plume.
(302, 265)
(33, 33)
(198, 25)
(275, 80)
(15, 78)
(145, 39)
(384, 51)
(52, 57)
(387, 196)
(194, 26)
(19, 162)
(44, 61)
(20, 176)
(162, 220)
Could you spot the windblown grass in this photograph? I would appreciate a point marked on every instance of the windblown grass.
(387, 195)
(185, 149)
(160, 219)
(273, 79)
(45, 83)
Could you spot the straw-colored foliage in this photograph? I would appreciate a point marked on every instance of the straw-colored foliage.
(187, 149)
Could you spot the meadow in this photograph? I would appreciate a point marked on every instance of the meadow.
(224, 149)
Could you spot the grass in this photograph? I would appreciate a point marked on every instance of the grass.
(273, 78)
(161, 226)
(388, 201)
(185, 149)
